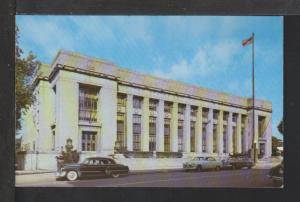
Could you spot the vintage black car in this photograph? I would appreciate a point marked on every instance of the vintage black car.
(92, 167)
(238, 162)
(276, 174)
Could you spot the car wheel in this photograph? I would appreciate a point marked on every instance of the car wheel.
(115, 175)
(218, 168)
(72, 175)
(199, 168)
(249, 167)
(233, 167)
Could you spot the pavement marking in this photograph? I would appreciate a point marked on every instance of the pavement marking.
(166, 180)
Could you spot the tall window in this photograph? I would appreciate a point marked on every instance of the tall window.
(152, 133)
(215, 114)
(205, 113)
(88, 141)
(224, 139)
(193, 111)
(121, 100)
(180, 135)
(261, 128)
(204, 137)
(152, 105)
(167, 135)
(121, 141)
(243, 138)
(181, 109)
(168, 107)
(234, 138)
(193, 123)
(88, 101)
(137, 102)
(136, 132)
(214, 138)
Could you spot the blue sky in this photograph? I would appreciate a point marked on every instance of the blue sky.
(201, 50)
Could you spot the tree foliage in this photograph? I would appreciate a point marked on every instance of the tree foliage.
(280, 127)
(275, 143)
(25, 68)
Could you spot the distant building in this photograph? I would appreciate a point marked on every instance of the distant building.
(105, 109)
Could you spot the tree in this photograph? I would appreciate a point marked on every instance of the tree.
(280, 127)
(275, 143)
(25, 68)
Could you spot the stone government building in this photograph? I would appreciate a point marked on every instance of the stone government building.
(105, 109)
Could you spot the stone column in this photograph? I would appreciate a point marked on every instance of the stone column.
(268, 136)
(187, 129)
(250, 113)
(108, 117)
(246, 136)
(174, 128)
(239, 134)
(198, 131)
(220, 133)
(209, 132)
(160, 127)
(229, 134)
(145, 125)
(129, 132)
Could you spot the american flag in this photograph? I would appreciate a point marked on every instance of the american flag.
(247, 41)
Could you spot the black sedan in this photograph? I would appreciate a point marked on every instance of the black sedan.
(238, 162)
(90, 167)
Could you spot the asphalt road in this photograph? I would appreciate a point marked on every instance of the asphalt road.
(223, 178)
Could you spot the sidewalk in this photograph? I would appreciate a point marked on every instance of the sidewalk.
(268, 164)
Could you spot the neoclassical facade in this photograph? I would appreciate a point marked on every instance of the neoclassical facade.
(106, 109)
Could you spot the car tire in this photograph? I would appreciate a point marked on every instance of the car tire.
(218, 168)
(199, 168)
(115, 175)
(233, 167)
(72, 175)
(249, 167)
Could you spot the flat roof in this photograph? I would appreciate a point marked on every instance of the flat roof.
(79, 61)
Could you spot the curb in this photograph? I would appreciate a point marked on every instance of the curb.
(33, 172)
(132, 172)
(137, 172)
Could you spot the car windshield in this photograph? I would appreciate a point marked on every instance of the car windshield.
(197, 158)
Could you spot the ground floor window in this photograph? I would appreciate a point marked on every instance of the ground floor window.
(261, 150)
(152, 134)
(137, 132)
(180, 136)
(88, 141)
(121, 142)
(167, 135)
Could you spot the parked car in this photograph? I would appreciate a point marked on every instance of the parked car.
(90, 167)
(238, 162)
(201, 163)
(276, 174)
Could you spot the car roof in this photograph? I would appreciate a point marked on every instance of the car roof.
(106, 158)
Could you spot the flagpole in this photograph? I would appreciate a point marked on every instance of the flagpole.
(253, 103)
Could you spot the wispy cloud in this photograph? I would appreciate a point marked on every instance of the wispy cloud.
(209, 59)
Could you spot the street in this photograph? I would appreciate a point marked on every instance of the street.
(224, 178)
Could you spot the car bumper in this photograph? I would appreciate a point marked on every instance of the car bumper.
(189, 167)
(61, 174)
